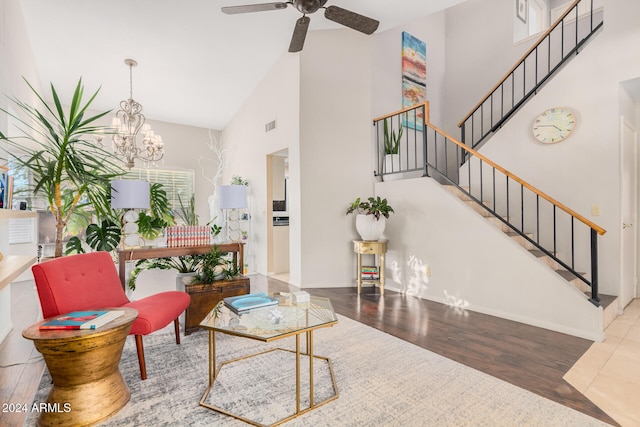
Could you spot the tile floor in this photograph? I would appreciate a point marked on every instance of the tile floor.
(609, 372)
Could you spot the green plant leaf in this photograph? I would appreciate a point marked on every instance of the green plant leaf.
(104, 237)
(74, 246)
(150, 227)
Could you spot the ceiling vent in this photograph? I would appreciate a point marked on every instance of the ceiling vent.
(270, 126)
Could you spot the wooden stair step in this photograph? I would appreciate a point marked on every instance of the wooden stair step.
(521, 240)
(575, 281)
(544, 258)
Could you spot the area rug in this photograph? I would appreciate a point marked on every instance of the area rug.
(381, 380)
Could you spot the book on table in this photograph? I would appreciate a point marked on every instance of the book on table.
(245, 303)
(89, 319)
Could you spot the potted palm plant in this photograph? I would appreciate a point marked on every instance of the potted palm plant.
(371, 216)
(67, 166)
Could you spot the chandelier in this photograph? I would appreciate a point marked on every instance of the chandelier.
(128, 123)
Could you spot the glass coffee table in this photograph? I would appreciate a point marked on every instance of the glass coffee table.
(268, 324)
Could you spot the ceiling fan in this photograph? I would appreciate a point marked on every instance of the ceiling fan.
(333, 13)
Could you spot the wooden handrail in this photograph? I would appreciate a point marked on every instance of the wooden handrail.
(404, 110)
(519, 180)
(534, 47)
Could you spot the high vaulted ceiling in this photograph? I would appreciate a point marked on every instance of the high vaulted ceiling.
(196, 66)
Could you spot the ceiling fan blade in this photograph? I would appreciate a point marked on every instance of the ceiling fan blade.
(299, 34)
(351, 19)
(262, 7)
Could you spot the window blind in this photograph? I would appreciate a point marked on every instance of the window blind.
(174, 182)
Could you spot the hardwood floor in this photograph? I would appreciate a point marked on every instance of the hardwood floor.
(531, 358)
(21, 366)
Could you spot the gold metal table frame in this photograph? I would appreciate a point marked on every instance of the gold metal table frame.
(311, 325)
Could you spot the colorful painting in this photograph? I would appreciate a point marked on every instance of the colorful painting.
(414, 76)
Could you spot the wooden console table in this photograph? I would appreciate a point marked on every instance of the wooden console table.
(125, 255)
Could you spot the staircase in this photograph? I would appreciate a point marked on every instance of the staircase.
(607, 301)
(552, 233)
(563, 40)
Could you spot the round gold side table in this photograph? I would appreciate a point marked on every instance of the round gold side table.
(87, 384)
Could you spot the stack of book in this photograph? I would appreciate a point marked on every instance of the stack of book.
(245, 303)
(6, 189)
(92, 319)
(369, 273)
(188, 235)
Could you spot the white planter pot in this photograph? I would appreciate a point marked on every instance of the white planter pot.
(392, 164)
(369, 228)
(183, 279)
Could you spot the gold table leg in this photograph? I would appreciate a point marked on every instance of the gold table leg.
(310, 353)
(299, 411)
(359, 272)
(212, 357)
(381, 269)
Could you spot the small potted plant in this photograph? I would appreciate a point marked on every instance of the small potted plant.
(392, 148)
(371, 216)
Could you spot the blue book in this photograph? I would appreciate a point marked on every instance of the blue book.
(244, 303)
(91, 319)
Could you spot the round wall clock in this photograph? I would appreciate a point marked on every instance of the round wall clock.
(554, 125)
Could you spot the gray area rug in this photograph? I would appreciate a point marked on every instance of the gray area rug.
(382, 381)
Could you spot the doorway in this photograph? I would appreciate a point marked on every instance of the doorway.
(278, 215)
(628, 213)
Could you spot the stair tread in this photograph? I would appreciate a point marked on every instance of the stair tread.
(537, 252)
(567, 275)
(514, 234)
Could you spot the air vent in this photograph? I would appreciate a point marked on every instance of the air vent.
(270, 126)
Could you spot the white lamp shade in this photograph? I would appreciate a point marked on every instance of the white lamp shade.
(233, 196)
(130, 194)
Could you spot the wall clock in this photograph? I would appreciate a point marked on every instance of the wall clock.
(554, 125)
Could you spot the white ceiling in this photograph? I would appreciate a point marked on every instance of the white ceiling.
(196, 65)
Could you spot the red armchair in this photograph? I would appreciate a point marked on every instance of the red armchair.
(90, 281)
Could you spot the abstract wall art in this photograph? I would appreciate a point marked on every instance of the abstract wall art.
(414, 76)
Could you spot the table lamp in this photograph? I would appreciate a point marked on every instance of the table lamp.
(232, 198)
(130, 194)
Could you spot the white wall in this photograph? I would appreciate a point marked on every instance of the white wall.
(335, 155)
(16, 61)
(386, 65)
(186, 148)
(277, 97)
(16, 57)
(480, 51)
(473, 266)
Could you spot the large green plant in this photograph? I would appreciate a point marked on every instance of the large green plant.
(106, 234)
(214, 266)
(151, 225)
(65, 159)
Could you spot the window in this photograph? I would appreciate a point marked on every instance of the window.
(174, 182)
(21, 230)
(537, 18)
